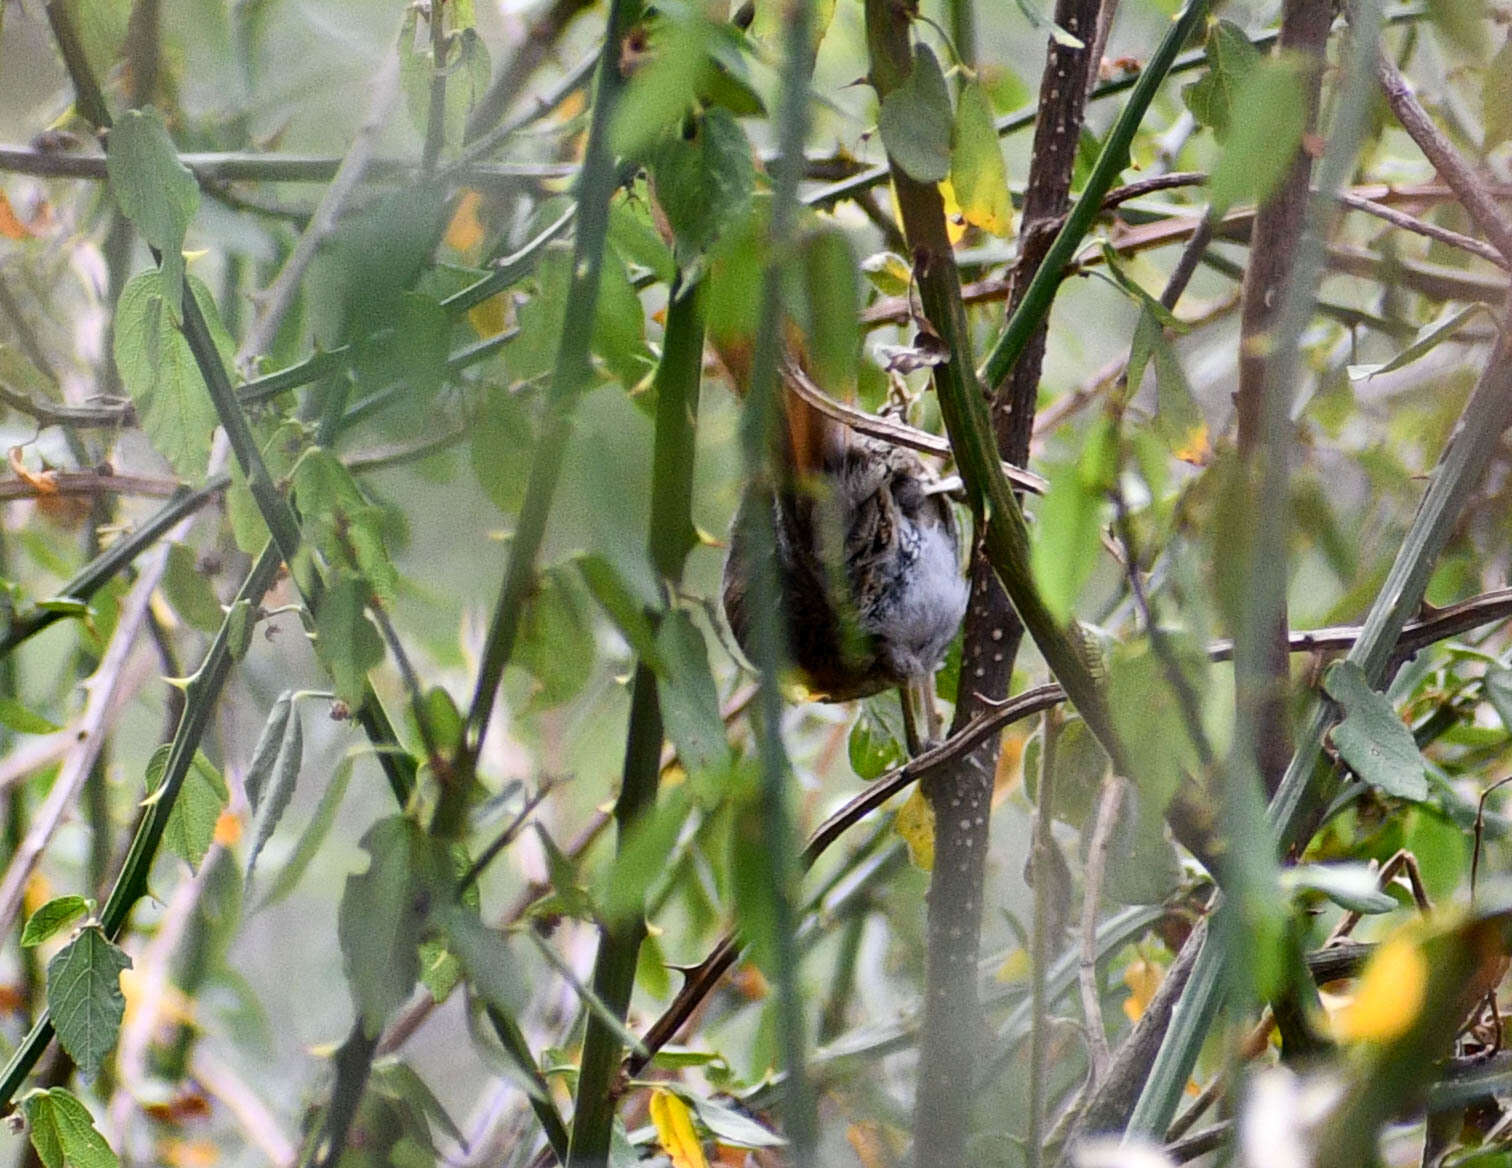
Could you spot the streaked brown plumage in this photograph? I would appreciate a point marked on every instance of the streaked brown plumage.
(868, 561)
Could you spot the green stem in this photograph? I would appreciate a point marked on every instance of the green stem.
(200, 699)
(571, 375)
(671, 538)
(1111, 162)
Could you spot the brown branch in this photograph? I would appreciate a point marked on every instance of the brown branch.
(1474, 193)
(538, 43)
(887, 429)
(1272, 259)
(86, 484)
(1488, 608)
(1422, 227)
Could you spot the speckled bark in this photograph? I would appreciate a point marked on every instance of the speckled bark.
(962, 800)
(1304, 31)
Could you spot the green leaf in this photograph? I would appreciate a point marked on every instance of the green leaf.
(689, 700)
(888, 272)
(159, 372)
(1496, 99)
(345, 640)
(189, 590)
(467, 70)
(17, 717)
(1350, 886)
(703, 179)
(1429, 337)
(1269, 117)
(1231, 58)
(1462, 23)
(201, 799)
(873, 746)
(486, 959)
(1498, 687)
(728, 1126)
(1054, 31)
(318, 827)
(977, 171)
(84, 997)
(622, 888)
(279, 777)
(241, 622)
(916, 122)
(383, 911)
(832, 329)
(503, 432)
(400, 1082)
(341, 522)
(619, 325)
(52, 917)
(154, 190)
(555, 645)
(627, 606)
(63, 1132)
(1371, 739)
(1067, 536)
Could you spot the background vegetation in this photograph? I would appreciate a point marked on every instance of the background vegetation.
(381, 786)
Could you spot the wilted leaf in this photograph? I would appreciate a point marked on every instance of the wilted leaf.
(1350, 886)
(1390, 994)
(674, 1130)
(977, 172)
(915, 824)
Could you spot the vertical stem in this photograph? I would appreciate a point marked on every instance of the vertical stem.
(759, 446)
(572, 373)
(435, 126)
(671, 538)
(1261, 663)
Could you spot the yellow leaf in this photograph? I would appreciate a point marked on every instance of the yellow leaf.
(977, 174)
(1194, 448)
(10, 226)
(465, 231)
(1143, 979)
(178, 1153)
(1015, 967)
(915, 823)
(38, 892)
(674, 1130)
(490, 318)
(955, 222)
(1391, 994)
(228, 828)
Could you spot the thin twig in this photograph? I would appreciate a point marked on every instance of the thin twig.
(104, 688)
(1109, 807)
(888, 429)
(275, 301)
(1466, 182)
(1422, 227)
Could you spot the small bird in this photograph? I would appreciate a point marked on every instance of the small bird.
(868, 561)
